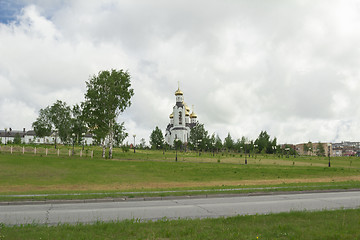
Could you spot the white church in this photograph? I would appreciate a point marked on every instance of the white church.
(181, 121)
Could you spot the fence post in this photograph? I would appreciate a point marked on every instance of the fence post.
(11, 149)
(46, 151)
(58, 152)
(35, 150)
(92, 153)
(23, 150)
(69, 152)
(80, 153)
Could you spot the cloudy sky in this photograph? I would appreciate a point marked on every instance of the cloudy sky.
(291, 68)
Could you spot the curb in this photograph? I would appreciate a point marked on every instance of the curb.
(139, 199)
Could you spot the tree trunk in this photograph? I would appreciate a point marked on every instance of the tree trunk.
(111, 137)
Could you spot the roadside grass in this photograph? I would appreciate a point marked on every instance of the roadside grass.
(149, 170)
(171, 192)
(337, 224)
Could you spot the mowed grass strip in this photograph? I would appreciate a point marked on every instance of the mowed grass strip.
(36, 174)
(339, 224)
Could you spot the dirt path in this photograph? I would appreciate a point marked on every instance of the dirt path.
(166, 185)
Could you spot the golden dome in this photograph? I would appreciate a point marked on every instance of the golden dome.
(186, 107)
(193, 115)
(171, 115)
(178, 92)
(187, 113)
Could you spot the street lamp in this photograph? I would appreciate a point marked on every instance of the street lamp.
(329, 145)
(83, 140)
(199, 142)
(176, 147)
(55, 131)
(73, 137)
(163, 147)
(255, 146)
(134, 141)
(245, 151)
(5, 135)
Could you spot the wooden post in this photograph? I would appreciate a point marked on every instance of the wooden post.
(58, 152)
(46, 151)
(92, 153)
(69, 152)
(35, 150)
(11, 149)
(23, 150)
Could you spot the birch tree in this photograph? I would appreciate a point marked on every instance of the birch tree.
(108, 94)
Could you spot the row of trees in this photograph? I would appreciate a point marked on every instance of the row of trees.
(200, 140)
(108, 95)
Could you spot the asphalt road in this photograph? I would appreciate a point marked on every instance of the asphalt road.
(174, 209)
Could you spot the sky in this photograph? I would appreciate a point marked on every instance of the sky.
(291, 68)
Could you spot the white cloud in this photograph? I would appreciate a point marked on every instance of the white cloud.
(288, 68)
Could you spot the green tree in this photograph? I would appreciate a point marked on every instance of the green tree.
(43, 125)
(78, 125)
(119, 134)
(228, 142)
(108, 94)
(320, 149)
(60, 116)
(262, 141)
(218, 143)
(156, 138)
(177, 144)
(305, 148)
(212, 143)
(198, 136)
(310, 147)
(142, 143)
(17, 139)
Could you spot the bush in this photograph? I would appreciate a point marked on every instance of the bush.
(125, 148)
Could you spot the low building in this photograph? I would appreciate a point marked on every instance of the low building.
(29, 137)
(314, 149)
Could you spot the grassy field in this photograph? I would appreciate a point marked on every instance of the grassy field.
(340, 224)
(155, 171)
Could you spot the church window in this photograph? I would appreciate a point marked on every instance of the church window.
(180, 118)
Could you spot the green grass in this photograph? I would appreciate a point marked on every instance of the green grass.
(339, 224)
(155, 171)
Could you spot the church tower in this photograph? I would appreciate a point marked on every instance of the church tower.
(181, 121)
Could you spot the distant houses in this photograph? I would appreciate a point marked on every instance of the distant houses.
(336, 149)
(29, 137)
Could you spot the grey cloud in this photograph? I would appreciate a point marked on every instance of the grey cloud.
(287, 67)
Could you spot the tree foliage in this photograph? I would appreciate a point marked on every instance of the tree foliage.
(60, 116)
(264, 143)
(228, 142)
(119, 134)
(320, 149)
(43, 124)
(17, 139)
(156, 138)
(198, 137)
(108, 94)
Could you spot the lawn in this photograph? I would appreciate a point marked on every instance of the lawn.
(153, 170)
(339, 224)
